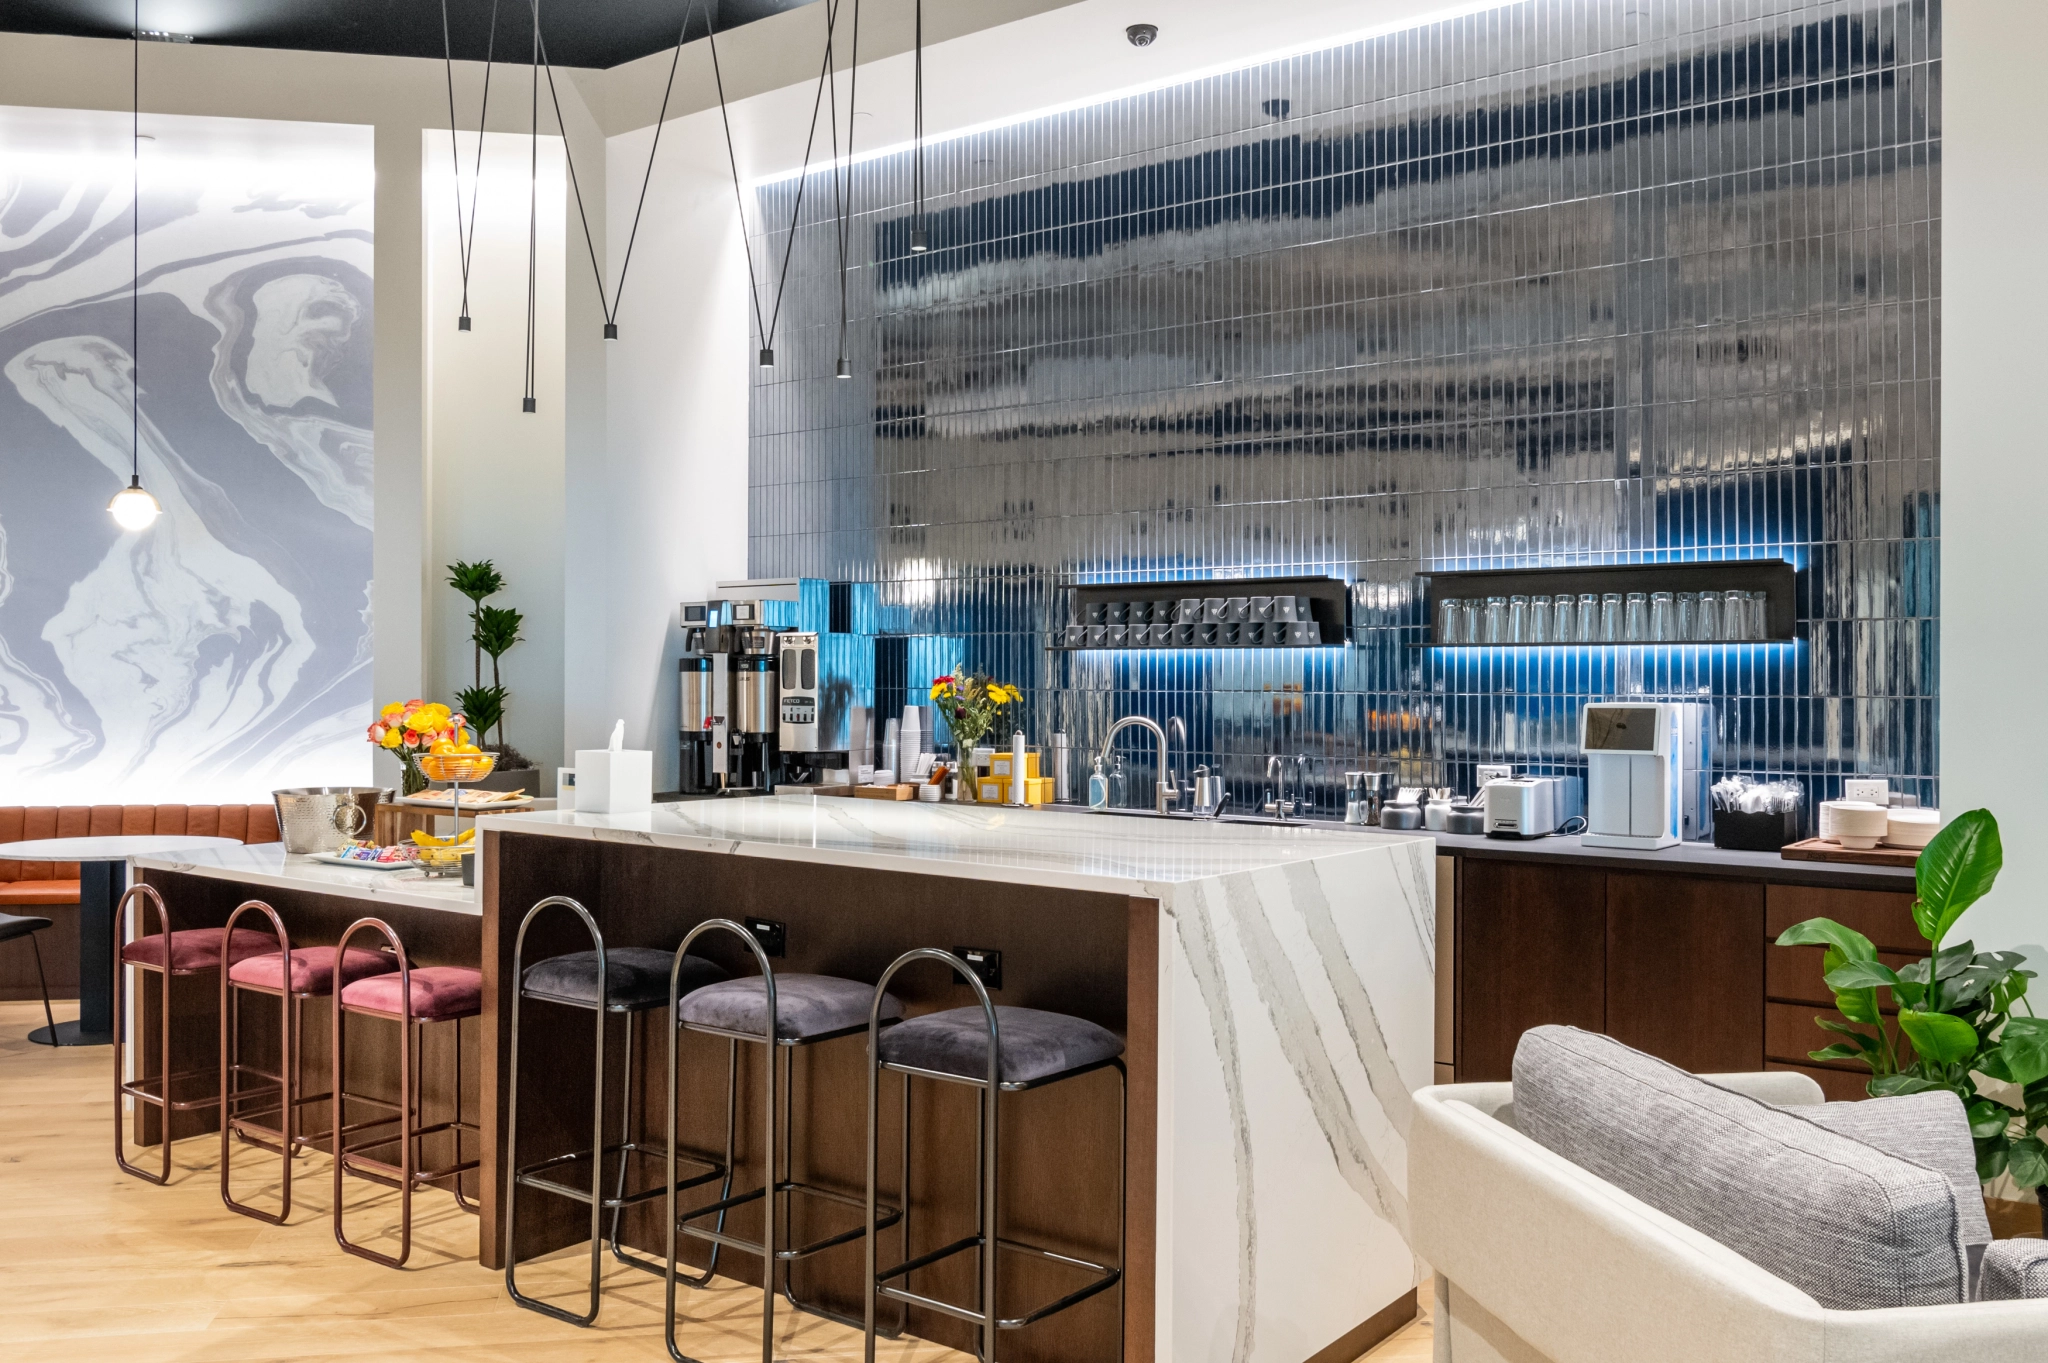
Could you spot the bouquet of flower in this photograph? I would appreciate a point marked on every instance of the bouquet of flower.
(408, 728)
(971, 702)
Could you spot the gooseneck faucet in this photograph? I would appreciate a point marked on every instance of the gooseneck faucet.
(1177, 727)
(1277, 803)
(1164, 790)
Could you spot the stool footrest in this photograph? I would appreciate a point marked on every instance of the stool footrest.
(202, 1085)
(887, 1217)
(1108, 1278)
(531, 1176)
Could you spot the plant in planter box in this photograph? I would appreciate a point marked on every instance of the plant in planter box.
(1962, 1013)
(492, 630)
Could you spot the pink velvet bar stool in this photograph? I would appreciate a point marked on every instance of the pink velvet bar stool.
(291, 975)
(174, 954)
(414, 997)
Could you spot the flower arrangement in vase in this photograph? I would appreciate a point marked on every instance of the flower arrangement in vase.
(408, 728)
(970, 703)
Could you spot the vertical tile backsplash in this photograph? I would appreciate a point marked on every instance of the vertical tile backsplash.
(1563, 282)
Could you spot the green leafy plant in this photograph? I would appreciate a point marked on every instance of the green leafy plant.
(1961, 1013)
(492, 630)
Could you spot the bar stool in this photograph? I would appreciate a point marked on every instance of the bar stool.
(412, 997)
(807, 1010)
(174, 955)
(291, 976)
(636, 981)
(997, 1050)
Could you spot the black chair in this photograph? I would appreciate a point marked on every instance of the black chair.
(12, 927)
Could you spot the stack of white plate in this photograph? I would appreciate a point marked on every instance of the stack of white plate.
(1912, 828)
(1856, 824)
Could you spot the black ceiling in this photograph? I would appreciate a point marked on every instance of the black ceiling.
(577, 32)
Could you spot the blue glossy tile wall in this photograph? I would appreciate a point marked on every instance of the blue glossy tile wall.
(1571, 281)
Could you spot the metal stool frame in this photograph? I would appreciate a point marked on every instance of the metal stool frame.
(161, 1091)
(406, 1174)
(533, 1175)
(284, 1088)
(779, 1051)
(987, 1239)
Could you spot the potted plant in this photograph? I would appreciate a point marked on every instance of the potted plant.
(1963, 1014)
(970, 703)
(492, 630)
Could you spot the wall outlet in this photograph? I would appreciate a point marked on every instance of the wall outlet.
(1874, 792)
(773, 936)
(987, 963)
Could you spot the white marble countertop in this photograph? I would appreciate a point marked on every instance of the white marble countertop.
(1065, 848)
(267, 863)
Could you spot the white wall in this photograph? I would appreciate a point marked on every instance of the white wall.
(495, 474)
(1994, 293)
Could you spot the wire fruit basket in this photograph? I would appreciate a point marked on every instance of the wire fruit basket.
(458, 767)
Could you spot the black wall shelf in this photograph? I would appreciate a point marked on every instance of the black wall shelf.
(1329, 606)
(1774, 578)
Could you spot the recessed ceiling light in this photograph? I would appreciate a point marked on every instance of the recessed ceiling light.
(157, 35)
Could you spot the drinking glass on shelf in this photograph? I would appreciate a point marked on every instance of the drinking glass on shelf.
(1707, 628)
(1687, 621)
(1518, 620)
(1561, 618)
(1735, 615)
(1539, 621)
(1496, 619)
(1759, 615)
(1468, 621)
(1663, 617)
(1636, 617)
(1449, 613)
(1611, 631)
(1586, 629)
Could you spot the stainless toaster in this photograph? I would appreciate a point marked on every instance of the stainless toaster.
(1531, 806)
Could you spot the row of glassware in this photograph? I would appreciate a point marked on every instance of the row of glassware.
(1198, 634)
(1604, 618)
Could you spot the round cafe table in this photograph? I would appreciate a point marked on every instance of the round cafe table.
(102, 878)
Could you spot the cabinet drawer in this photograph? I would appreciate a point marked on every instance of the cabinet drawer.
(1885, 918)
(1790, 1034)
(1793, 974)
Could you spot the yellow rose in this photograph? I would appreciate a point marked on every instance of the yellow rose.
(393, 737)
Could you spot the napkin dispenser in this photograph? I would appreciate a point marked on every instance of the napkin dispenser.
(614, 779)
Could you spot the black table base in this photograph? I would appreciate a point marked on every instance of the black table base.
(70, 1034)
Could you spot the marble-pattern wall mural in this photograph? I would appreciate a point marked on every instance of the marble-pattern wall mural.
(224, 651)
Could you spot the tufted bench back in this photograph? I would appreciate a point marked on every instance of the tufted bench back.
(19, 823)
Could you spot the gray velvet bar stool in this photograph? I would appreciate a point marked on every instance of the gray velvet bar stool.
(637, 980)
(291, 976)
(997, 1050)
(806, 1011)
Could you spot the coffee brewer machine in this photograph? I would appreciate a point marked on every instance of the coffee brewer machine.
(729, 715)
(763, 705)
(1647, 766)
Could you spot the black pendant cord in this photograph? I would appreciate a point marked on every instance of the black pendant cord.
(842, 175)
(135, 262)
(611, 308)
(466, 239)
(920, 240)
(530, 402)
(838, 189)
(767, 329)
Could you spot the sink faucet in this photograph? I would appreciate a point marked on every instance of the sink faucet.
(1277, 803)
(1177, 726)
(1165, 793)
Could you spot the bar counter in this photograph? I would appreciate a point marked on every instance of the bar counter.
(1274, 987)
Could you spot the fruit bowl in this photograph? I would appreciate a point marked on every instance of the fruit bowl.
(457, 766)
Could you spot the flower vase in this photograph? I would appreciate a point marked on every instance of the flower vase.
(411, 780)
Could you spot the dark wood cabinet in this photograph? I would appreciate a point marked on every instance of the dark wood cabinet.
(1532, 949)
(1685, 969)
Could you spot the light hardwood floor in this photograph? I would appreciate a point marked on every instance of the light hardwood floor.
(95, 1264)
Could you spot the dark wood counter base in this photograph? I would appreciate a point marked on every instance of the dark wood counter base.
(1089, 954)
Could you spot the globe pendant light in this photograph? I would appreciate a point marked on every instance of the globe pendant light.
(132, 507)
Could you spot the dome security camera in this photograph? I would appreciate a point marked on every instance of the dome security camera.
(1142, 35)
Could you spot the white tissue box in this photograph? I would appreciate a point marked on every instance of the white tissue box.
(614, 782)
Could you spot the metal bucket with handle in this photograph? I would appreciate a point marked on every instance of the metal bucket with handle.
(323, 818)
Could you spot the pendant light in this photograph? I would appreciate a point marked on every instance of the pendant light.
(920, 239)
(842, 169)
(530, 403)
(465, 238)
(132, 507)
